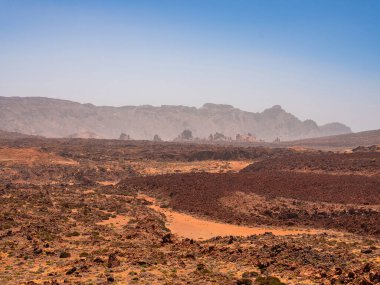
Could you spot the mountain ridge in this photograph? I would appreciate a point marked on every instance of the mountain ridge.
(62, 118)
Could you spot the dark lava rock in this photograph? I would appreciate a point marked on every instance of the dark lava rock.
(375, 277)
(351, 275)
(113, 261)
(250, 274)
(98, 260)
(366, 251)
(244, 281)
(231, 240)
(71, 271)
(64, 254)
(202, 268)
(37, 251)
(167, 238)
(366, 268)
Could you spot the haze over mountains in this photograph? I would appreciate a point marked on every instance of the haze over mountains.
(61, 118)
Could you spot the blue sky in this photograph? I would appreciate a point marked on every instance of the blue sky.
(318, 59)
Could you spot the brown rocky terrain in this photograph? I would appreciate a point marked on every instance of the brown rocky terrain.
(317, 200)
(363, 163)
(76, 211)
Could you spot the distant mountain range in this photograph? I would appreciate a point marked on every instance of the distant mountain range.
(61, 118)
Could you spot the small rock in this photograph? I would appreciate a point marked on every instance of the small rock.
(351, 275)
(323, 274)
(64, 254)
(244, 281)
(167, 238)
(231, 240)
(366, 268)
(375, 277)
(98, 260)
(71, 271)
(366, 251)
(37, 251)
(250, 274)
(112, 261)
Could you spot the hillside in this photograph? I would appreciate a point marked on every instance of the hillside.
(61, 118)
(13, 135)
(352, 140)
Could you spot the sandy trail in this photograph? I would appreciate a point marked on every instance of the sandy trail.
(211, 166)
(187, 226)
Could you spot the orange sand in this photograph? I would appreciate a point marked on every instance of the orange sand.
(187, 226)
(118, 222)
(32, 155)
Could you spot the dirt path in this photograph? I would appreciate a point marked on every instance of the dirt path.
(187, 226)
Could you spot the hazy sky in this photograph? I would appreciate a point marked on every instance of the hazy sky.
(318, 59)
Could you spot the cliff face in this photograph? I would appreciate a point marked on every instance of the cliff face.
(61, 118)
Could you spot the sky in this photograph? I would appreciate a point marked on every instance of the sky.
(319, 60)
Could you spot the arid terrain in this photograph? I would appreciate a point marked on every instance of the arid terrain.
(87, 211)
(344, 142)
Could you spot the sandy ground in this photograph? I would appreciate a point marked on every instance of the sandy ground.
(31, 155)
(187, 226)
(118, 221)
(211, 166)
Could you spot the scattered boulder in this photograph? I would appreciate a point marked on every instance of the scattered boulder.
(244, 281)
(167, 238)
(64, 254)
(113, 261)
(367, 251)
(71, 271)
(250, 274)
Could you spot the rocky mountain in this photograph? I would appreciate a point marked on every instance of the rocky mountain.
(61, 118)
